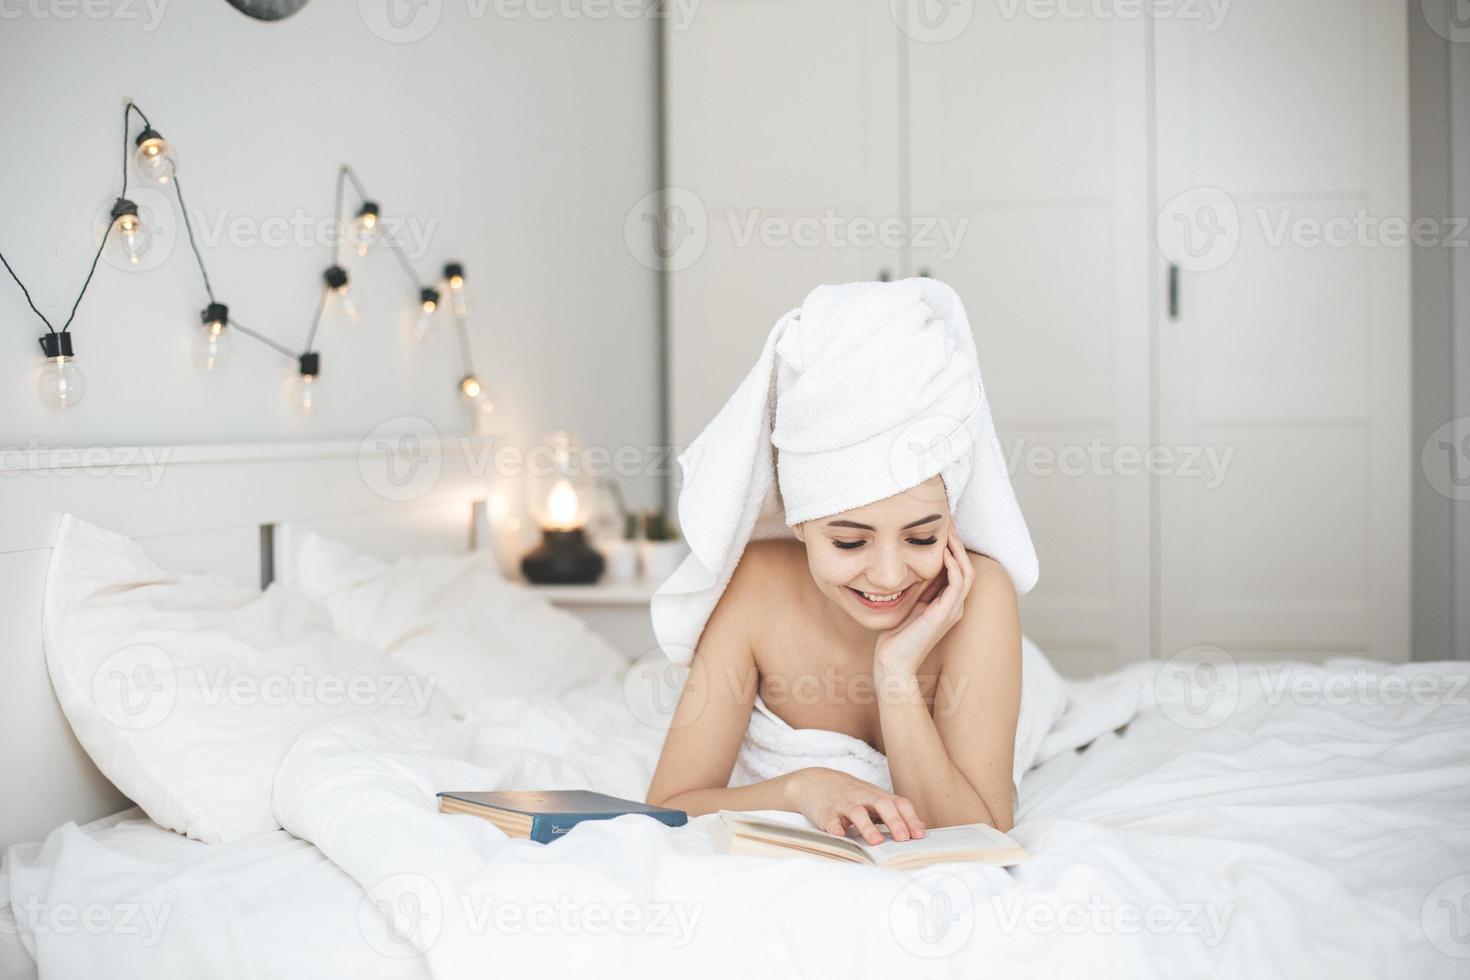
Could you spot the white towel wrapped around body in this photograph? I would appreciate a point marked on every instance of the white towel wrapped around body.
(865, 391)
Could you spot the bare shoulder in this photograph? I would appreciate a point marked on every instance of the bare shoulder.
(762, 584)
(991, 619)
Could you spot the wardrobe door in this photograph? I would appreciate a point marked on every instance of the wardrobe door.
(783, 162)
(1029, 155)
(1282, 155)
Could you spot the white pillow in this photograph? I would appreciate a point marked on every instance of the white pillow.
(187, 691)
(454, 617)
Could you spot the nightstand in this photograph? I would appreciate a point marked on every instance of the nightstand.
(616, 611)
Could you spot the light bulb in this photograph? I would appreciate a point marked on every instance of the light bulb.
(61, 384)
(561, 506)
(423, 324)
(454, 279)
(471, 386)
(212, 344)
(155, 157)
(307, 391)
(130, 235)
(366, 228)
(339, 290)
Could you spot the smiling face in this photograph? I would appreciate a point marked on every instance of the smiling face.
(875, 561)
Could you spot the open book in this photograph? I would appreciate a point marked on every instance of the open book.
(747, 833)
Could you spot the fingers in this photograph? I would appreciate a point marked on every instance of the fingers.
(888, 812)
(857, 815)
(910, 816)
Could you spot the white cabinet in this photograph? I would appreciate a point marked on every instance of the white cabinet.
(1029, 159)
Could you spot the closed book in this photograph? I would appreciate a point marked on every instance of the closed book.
(544, 815)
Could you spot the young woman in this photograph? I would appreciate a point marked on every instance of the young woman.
(876, 623)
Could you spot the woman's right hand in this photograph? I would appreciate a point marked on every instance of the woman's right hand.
(833, 800)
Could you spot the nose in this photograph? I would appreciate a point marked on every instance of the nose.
(887, 571)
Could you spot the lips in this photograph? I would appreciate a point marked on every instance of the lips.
(879, 600)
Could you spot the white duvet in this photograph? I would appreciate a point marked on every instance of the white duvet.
(1312, 821)
(1306, 821)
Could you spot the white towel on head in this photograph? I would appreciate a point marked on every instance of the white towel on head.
(865, 391)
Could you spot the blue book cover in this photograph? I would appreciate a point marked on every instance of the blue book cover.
(544, 815)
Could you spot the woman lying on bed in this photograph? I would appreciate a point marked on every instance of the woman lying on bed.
(875, 641)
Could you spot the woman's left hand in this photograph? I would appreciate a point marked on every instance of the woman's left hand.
(901, 650)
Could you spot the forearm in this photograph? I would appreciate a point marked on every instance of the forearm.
(769, 794)
(918, 762)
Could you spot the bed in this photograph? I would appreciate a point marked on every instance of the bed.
(1246, 819)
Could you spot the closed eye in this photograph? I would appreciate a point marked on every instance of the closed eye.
(924, 541)
(848, 545)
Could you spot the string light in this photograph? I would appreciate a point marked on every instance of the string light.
(212, 346)
(365, 229)
(133, 239)
(154, 157)
(61, 383)
(308, 382)
(454, 282)
(338, 288)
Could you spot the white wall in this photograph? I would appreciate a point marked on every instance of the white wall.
(520, 143)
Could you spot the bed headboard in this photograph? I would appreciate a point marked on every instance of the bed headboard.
(229, 510)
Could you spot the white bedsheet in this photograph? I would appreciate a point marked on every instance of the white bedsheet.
(125, 898)
(1313, 822)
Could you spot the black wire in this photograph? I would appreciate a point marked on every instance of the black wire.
(263, 339)
(321, 305)
(341, 227)
(189, 227)
(27, 293)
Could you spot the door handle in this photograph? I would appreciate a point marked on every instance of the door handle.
(884, 275)
(1173, 291)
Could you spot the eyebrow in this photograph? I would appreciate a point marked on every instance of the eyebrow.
(869, 527)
